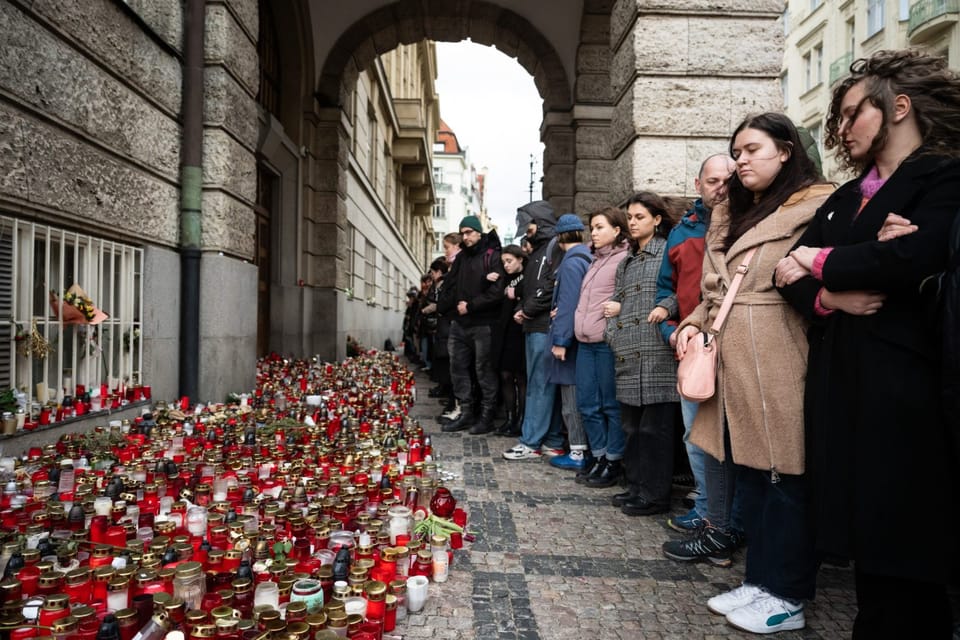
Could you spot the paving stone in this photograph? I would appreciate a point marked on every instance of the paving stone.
(552, 560)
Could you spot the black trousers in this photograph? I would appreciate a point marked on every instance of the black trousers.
(648, 452)
(890, 608)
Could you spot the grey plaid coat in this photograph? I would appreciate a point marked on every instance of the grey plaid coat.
(646, 369)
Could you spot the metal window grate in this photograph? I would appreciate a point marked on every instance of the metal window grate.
(44, 262)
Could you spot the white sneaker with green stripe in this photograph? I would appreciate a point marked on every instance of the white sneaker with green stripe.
(768, 614)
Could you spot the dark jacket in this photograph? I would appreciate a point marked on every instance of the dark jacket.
(467, 280)
(678, 282)
(566, 293)
(538, 275)
(876, 434)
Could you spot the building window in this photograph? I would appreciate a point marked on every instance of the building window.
(437, 175)
(785, 87)
(874, 16)
(816, 132)
(904, 10)
(388, 283)
(359, 263)
(370, 272)
(814, 4)
(440, 208)
(851, 36)
(818, 63)
(38, 265)
(807, 71)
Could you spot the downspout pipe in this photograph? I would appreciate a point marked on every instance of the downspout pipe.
(191, 196)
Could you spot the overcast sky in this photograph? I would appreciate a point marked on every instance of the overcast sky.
(492, 105)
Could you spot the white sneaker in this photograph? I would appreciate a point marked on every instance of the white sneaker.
(767, 614)
(454, 413)
(734, 599)
(521, 452)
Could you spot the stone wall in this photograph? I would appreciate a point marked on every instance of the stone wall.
(682, 80)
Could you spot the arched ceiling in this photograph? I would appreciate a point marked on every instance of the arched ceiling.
(555, 27)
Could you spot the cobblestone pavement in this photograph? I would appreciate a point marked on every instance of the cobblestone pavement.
(553, 560)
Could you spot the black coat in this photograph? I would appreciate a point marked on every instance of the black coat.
(875, 427)
(468, 281)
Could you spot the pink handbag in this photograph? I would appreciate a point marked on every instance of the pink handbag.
(697, 373)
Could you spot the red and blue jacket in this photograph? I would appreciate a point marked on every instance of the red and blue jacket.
(678, 283)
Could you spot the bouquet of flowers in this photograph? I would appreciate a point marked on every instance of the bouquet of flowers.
(76, 307)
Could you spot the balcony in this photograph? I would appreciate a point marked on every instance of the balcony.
(928, 18)
(840, 67)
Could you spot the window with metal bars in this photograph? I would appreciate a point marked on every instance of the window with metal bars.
(48, 345)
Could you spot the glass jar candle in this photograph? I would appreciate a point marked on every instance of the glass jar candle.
(118, 594)
(55, 606)
(267, 593)
(441, 561)
(128, 622)
(189, 584)
(401, 524)
(243, 596)
(77, 585)
(197, 521)
(49, 583)
(390, 613)
(375, 592)
(310, 592)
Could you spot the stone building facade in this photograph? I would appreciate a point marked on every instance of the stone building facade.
(92, 130)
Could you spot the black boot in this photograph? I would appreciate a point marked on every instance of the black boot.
(485, 424)
(451, 411)
(606, 477)
(508, 425)
(465, 421)
(594, 468)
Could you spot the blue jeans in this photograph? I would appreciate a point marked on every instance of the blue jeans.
(724, 510)
(780, 555)
(425, 350)
(541, 420)
(597, 400)
(695, 454)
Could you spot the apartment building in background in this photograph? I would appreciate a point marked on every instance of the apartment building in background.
(823, 37)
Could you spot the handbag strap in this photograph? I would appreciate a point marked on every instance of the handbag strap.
(732, 292)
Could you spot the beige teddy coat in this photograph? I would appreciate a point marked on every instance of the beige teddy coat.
(763, 346)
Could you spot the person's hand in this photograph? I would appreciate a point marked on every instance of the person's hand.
(611, 309)
(560, 353)
(856, 303)
(553, 313)
(462, 307)
(894, 227)
(430, 308)
(493, 276)
(683, 337)
(658, 315)
(511, 293)
(673, 340)
(519, 317)
(789, 271)
(805, 256)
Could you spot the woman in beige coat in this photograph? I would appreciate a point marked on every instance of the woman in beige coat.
(752, 428)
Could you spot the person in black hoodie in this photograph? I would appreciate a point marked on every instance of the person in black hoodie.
(474, 289)
(541, 420)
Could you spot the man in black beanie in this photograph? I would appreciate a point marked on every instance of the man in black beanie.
(474, 289)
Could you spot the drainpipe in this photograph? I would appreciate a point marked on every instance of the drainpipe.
(191, 194)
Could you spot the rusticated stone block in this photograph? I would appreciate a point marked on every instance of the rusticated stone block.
(622, 17)
(322, 239)
(774, 7)
(228, 224)
(753, 95)
(623, 66)
(228, 164)
(560, 146)
(595, 29)
(41, 165)
(586, 202)
(594, 58)
(661, 43)
(247, 13)
(681, 106)
(227, 44)
(48, 74)
(112, 37)
(592, 141)
(558, 180)
(727, 38)
(593, 88)
(165, 17)
(593, 175)
(621, 123)
(227, 105)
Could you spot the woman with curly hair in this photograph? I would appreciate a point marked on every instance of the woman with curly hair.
(878, 440)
